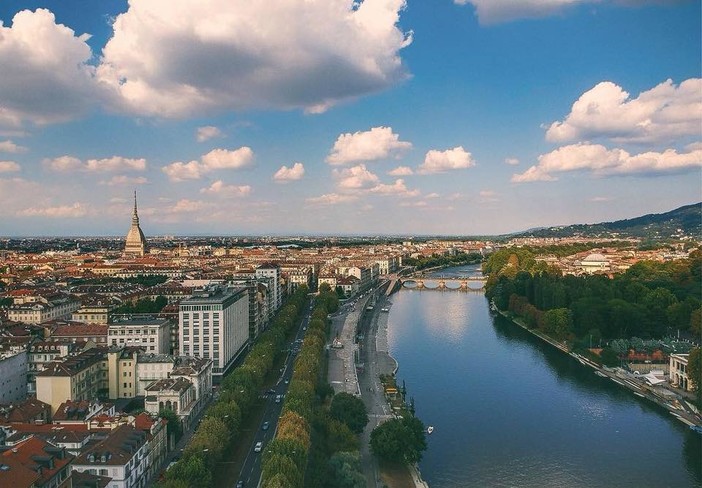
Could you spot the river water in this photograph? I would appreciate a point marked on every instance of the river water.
(511, 411)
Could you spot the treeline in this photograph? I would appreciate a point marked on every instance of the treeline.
(649, 300)
(443, 260)
(220, 428)
(313, 447)
(145, 305)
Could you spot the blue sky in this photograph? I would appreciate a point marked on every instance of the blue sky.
(458, 117)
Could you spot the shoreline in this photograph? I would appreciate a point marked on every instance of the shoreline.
(671, 401)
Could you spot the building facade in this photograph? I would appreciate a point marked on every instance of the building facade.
(214, 324)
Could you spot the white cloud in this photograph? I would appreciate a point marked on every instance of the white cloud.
(285, 174)
(220, 188)
(442, 161)
(207, 132)
(488, 196)
(216, 159)
(371, 145)
(121, 180)
(64, 211)
(601, 161)
(432, 195)
(46, 77)
(115, 163)
(331, 199)
(196, 57)
(666, 112)
(355, 178)
(601, 199)
(11, 147)
(512, 161)
(9, 167)
(401, 171)
(398, 189)
(496, 11)
(185, 205)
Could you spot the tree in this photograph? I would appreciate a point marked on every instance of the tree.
(350, 410)
(399, 440)
(609, 357)
(173, 427)
(345, 471)
(192, 470)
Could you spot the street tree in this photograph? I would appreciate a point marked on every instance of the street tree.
(350, 410)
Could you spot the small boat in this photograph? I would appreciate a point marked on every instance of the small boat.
(600, 373)
(430, 429)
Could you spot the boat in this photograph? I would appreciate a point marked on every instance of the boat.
(600, 373)
(430, 429)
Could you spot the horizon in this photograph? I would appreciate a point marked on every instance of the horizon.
(388, 117)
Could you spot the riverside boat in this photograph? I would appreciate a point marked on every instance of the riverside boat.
(430, 429)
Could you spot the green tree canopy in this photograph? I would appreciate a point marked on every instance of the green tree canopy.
(400, 440)
(350, 410)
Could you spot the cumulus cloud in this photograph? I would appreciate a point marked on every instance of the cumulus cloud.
(331, 199)
(196, 57)
(115, 163)
(355, 178)
(220, 188)
(64, 211)
(285, 174)
(666, 112)
(10, 147)
(217, 159)
(9, 167)
(207, 132)
(397, 189)
(401, 171)
(600, 161)
(512, 161)
(122, 180)
(185, 205)
(442, 161)
(371, 145)
(46, 77)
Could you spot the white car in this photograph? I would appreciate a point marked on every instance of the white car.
(258, 447)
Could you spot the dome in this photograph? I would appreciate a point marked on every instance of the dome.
(594, 258)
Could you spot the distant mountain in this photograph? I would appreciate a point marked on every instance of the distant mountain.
(681, 222)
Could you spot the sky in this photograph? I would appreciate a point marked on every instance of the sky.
(375, 117)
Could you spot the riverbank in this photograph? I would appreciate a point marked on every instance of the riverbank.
(675, 402)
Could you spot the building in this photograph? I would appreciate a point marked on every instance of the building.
(214, 324)
(135, 244)
(43, 309)
(151, 368)
(13, 375)
(42, 353)
(94, 313)
(80, 377)
(35, 463)
(595, 263)
(122, 455)
(77, 332)
(199, 372)
(122, 371)
(175, 394)
(152, 334)
(272, 271)
(678, 371)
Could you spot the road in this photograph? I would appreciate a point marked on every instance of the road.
(251, 470)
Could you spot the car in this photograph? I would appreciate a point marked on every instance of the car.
(258, 447)
(271, 391)
(287, 381)
(278, 398)
(265, 426)
(240, 484)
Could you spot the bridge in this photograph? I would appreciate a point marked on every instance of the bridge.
(459, 283)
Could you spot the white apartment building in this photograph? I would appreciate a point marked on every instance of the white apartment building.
(214, 324)
(153, 334)
(272, 271)
(678, 371)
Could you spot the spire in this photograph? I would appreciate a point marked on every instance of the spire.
(135, 217)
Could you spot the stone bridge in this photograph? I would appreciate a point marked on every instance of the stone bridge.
(461, 283)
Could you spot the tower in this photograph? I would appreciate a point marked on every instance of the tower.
(136, 242)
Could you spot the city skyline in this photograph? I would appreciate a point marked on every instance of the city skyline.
(464, 117)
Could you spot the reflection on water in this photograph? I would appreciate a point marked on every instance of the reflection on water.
(509, 410)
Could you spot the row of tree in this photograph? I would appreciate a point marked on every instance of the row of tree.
(145, 305)
(220, 428)
(649, 300)
(286, 457)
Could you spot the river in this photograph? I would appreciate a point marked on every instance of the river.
(511, 411)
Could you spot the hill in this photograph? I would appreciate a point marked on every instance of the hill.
(682, 222)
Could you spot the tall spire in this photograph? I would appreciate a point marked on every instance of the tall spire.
(135, 216)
